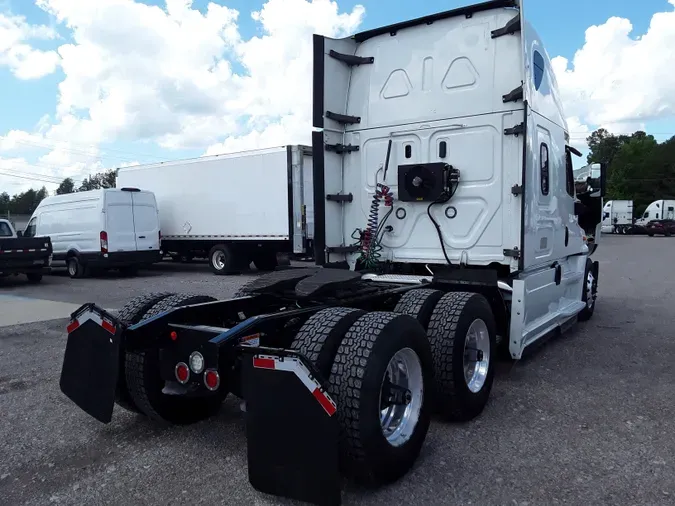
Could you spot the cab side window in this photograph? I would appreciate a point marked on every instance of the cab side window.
(569, 173)
(30, 229)
(5, 231)
(543, 168)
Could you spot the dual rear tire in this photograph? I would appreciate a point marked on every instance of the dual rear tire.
(140, 386)
(389, 371)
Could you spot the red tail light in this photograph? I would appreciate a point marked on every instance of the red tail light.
(104, 241)
(182, 372)
(211, 379)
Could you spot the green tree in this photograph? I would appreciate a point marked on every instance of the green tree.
(603, 146)
(5, 200)
(66, 186)
(104, 179)
(629, 174)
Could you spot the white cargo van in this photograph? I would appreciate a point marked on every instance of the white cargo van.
(99, 229)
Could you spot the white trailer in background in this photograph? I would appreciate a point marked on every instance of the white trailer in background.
(617, 217)
(233, 209)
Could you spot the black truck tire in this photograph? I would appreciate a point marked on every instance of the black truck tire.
(320, 336)
(145, 382)
(458, 317)
(131, 313)
(590, 287)
(223, 259)
(359, 370)
(265, 261)
(34, 277)
(419, 304)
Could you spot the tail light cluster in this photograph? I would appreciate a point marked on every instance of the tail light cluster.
(195, 365)
(104, 241)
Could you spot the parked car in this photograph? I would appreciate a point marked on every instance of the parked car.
(23, 255)
(99, 229)
(660, 227)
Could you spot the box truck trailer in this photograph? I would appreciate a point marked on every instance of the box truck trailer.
(233, 209)
(617, 217)
(446, 232)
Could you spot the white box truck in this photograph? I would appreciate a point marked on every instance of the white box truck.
(99, 229)
(233, 209)
(617, 217)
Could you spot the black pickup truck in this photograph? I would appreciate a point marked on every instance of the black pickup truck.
(31, 256)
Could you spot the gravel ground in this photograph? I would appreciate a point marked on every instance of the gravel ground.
(588, 419)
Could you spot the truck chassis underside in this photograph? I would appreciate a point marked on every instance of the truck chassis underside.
(294, 420)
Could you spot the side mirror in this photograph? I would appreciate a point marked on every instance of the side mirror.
(19, 233)
(594, 179)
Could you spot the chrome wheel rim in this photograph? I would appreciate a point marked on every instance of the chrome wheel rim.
(590, 290)
(218, 260)
(72, 269)
(476, 355)
(403, 380)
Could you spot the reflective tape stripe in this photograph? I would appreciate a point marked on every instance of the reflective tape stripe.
(294, 365)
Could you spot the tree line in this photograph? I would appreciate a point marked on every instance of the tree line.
(639, 168)
(26, 202)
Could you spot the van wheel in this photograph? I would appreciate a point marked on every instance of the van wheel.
(381, 380)
(75, 268)
(222, 259)
(462, 333)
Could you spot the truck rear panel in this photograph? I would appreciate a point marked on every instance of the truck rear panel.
(439, 90)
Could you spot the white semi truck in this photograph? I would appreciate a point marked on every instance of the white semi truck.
(657, 210)
(617, 217)
(450, 227)
(234, 208)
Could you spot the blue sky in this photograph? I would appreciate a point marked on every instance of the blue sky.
(562, 25)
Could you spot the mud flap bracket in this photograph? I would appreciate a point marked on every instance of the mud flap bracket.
(291, 427)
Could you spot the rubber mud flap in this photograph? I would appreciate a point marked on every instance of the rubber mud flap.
(291, 428)
(91, 361)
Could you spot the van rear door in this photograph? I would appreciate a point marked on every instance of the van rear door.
(119, 221)
(146, 221)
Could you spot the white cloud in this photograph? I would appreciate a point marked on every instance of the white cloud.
(179, 77)
(617, 81)
(185, 78)
(24, 61)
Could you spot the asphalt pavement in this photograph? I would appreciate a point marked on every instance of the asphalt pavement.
(588, 419)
